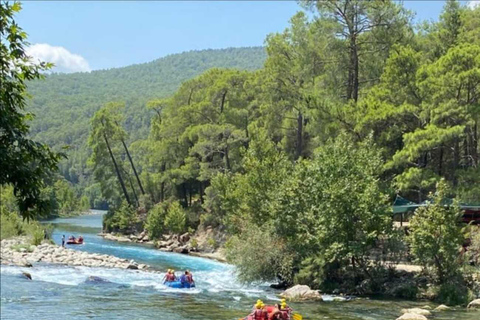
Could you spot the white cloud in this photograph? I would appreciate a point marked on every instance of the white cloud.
(64, 60)
(473, 4)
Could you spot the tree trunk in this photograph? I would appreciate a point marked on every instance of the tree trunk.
(120, 179)
(440, 160)
(133, 190)
(185, 197)
(133, 168)
(299, 148)
(456, 157)
(355, 83)
(223, 101)
(162, 185)
(475, 143)
(227, 159)
(201, 192)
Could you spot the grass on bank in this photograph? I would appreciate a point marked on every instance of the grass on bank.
(11, 225)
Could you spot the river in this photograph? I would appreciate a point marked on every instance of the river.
(62, 292)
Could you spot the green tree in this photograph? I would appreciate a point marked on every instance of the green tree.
(436, 236)
(333, 207)
(155, 224)
(106, 162)
(176, 219)
(24, 162)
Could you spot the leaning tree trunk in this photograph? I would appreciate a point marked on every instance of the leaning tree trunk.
(120, 179)
(133, 167)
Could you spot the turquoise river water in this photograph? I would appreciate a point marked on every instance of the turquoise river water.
(62, 292)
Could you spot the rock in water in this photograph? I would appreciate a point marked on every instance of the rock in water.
(301, 292)
(422, 312)
(412, 316)
(475, 304)
(95, 279)
(132, 266)
(27, 275)
(442, 307)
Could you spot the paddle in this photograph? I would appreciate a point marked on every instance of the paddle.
(297, 316)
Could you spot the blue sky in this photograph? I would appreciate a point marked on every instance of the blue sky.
(80, 36)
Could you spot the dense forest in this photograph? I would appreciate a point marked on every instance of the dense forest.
(298, 161)
(64, 103)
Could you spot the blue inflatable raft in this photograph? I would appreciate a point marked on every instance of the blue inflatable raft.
(179, 285)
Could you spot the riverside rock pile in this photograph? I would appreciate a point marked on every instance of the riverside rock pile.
(17, 252)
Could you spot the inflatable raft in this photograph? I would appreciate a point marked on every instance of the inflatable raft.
(270, 310)
(179, 285)
(76, 241)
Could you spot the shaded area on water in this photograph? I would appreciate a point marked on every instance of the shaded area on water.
(64, 292)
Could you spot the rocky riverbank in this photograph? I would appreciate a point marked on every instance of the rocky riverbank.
(205, 243)
(18, 251)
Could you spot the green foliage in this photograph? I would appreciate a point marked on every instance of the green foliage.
(175, 220)
(243, 199)
(155, 224)
(64, 103)
(332, 209)
(193, 243)
(436, 236)
(454, 292)
(24, 162)
(122, 219)
(474, 247)
(260, 255)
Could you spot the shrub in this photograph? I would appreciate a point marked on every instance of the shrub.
(193, 243)
(436, 236)
(155, 225)
(212, 243)
(37, 236)
(454, 292)
(260, 255)
(10, 225)
(122, 219)
(474, 247)
(175, 220)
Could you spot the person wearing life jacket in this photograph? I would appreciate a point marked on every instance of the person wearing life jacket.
(183, 278)
(189, 277)
(285, 310)
(276, 314)
(169, 276)
(259, 313)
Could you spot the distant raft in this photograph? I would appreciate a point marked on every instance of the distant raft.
(179, 285)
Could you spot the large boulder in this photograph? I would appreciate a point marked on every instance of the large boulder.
(412, 316)
(182, 249)
(27, 275)
(475, 304)
(422, 312)
(300, 293)
(442, 307)
(184, 237)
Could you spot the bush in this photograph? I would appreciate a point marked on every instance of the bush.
(260, 255)
(474, 247)
(175, 220)
(37, 236)
(122, 219)
(436, 237)
(454, 292)
(10, 225)
(155, 224)
(193, 243)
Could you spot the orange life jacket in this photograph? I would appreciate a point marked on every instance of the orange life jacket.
(260, 314)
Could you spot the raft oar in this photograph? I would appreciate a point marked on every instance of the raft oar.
(297, 316)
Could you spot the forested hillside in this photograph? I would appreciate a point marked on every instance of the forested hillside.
(64, 103)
